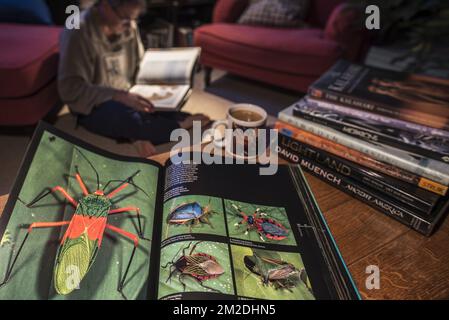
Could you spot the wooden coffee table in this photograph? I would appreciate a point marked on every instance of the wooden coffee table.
(411, 265)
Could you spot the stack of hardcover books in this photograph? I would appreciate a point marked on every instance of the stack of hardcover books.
(381, 136)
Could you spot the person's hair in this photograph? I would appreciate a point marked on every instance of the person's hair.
(118, 3)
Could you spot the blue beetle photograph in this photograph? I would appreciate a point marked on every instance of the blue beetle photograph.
(193, 214)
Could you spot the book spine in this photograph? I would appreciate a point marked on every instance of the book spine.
(390, 122)
(421, 166)
(405, 193)
(351, 102)
(360, 158)
(360, 132)
(371, 198)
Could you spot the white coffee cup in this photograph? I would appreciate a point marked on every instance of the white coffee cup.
(241, 116)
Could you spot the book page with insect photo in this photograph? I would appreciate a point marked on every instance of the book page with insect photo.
(79, 223)
(220, 239)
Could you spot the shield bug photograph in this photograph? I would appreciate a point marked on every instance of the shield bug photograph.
(266, 274)
(80, 228)
(193, 214)
(195, 266)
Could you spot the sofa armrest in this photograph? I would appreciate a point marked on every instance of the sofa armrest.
(229, 11)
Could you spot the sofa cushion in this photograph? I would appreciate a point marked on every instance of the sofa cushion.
(285, 80)
(320, 11)
(296, 51)
(229, 10)
(275, 13)
(28, 59)
(30, 109)
(25, 11)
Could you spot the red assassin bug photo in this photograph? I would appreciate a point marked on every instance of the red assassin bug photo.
(265, 226)
(83, 237)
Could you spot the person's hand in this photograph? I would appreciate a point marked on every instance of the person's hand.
(145, 149)
(135, 101)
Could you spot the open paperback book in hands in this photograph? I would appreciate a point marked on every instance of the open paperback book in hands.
(82, 223)
(165, 77)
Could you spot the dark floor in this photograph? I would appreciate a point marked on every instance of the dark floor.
(240, 90)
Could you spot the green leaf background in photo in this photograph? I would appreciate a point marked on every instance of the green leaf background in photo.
(218, 250)
(251, 285)
(276, 213)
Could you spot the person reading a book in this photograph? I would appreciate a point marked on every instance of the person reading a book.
(98, 65)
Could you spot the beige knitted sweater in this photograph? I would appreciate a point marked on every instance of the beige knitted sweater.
(91, 67)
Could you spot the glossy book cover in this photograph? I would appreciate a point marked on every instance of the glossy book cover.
(411, 97)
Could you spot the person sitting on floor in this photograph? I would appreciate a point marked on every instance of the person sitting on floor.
(98, 64)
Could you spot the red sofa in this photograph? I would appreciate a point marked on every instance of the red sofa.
(286, 57)
(28, 69)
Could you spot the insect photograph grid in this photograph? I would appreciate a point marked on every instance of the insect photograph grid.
(189, 266)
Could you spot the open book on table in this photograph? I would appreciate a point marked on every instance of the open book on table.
(165, 77)
(82, 223)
